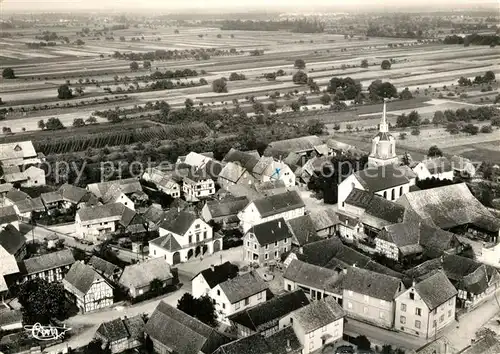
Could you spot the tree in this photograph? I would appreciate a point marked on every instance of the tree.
(54, 124)
(363, 343)
(156, 286)
(189, 103)
(415, 131)
(325, 99)
(146, 64)
(78, 122)
(438, 118)
(463, 81)
(300, 77)
(96, 347)
(470, 129)
(219, 85)
(41, 124)
(91, 120)
(134, 66)
(487, 129)
(8, 73)
(434, 151)
(315, 127)
(295, 106)
(386, 64)
(489, 76)
(364, 63)
(6, 130)
(379, 89)
(300, 64)
(271, 107)
(42, 301)
(303, 100)
(64, 92)
(405, 94)
(202, 308)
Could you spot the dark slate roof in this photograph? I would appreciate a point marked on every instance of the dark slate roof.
(254, 344)
(324, 218)
(384, 136)
(219, 273)
(284, 342)
(321, 252)
(373, 284)
(278, 203)
(167, 242)
(120, 329)
(451, 206)
(318, 314)
(72, 193)
(104, 267)
(141, 274)
(256, 318)
(181, 332)
(154, 214)
(49, 261)
(243, 286)
(7, 215)
(16, 195)
(178, 222)
(313, 276)
(227, 207)
(303, 230)
(29, 205)
(271, 231)
(435, 290)
(244, 159)
(81, 277)
(489, 344)
(359, 198)
(51, 197)
(402, 234)
(11, 239)
(376, 205)
(102, 212)
(375, 179)
(283, 147)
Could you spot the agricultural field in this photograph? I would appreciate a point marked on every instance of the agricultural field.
(105, 80)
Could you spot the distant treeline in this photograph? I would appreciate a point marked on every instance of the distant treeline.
(36, 45)
(475, 39)
(298, 26)
(161, 54)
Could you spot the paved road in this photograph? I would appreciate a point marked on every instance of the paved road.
(380, 336)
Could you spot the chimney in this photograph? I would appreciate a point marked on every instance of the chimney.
(344, 270)
(301, 250)
(178, 209)
(212, 267)
(288, 346)
(445, 347)
(279, 224)
(354, 265)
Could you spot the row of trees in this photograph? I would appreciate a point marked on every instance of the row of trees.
(298, 26)
(487, 78)
(475, 39)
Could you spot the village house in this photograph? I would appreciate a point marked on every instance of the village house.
(121, 334)
(315, 281)
(440, 345)
(25, 176)
(10, 320)
(237, 168)
(172, 330)
(15, 195)
(28, 208)
(454, 208)
(195, 159)
(108, 270)
(4, 189)
(369, 296)
(237, 294)
(73, 196)
(52, 200)
(388, 181)
(303, 231)
(8, 216)
(265, 243)
(203, 282)
(197, 185)
(268, 169)
(136, 278)
(264, 318)
(51, 267)
(287, 205)
(462, 167)
(338, 148)
(183, 236)
(426, 307)
(123, 191)
(281, 342)
(12, 251)
(410, 239)
(317, 324)
(325, 221)
(304, 146)
(21, 153)
(437, 167)
(96, 223)
(224, 212)
(87, 289)
(487, 344)
(476, 282)
(163, 182)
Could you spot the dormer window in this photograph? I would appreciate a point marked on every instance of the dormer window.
(18, 148)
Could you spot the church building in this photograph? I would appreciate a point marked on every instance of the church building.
(383, 146)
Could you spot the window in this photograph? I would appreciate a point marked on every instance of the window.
(291, 320)
(190, 239)
(365, 309)
(412, 296)
(311, 345)
(154, 252)
(402, 319)
(276, 244)
(441, 319)
(289, 287)
(275, 254)
(434, 324)
(381, 315)
(403, 307)
(349, 305)
(237, 306)
(367, 298)
(204, 234)
(247, 301)
(259, 296)
(267, 247)
(450, 302)
(285, 240)
(449, 313)
(248, 244)
(401, 191)
(223, 306)
(417, 324)
(418, 311)
(385, 194)
(266, 256)
(311, 334)
(218, 292)
(393, 194)
(254, 247)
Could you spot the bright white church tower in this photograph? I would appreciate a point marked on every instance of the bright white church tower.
(383, 145)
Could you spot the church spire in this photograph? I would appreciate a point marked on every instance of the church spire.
(384, 128)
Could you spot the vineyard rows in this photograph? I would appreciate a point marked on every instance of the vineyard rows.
(116, 138)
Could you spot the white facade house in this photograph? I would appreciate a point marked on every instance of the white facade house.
(439, 168)
(426, 307)
(21, 153)
(203, 282)
(197, 186)
(97, 222)
(8, 216)
(163, 182)
(287, 205)
(317, 324)
(183, 236)
(237, 294)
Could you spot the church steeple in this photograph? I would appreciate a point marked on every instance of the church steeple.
(384, 127)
